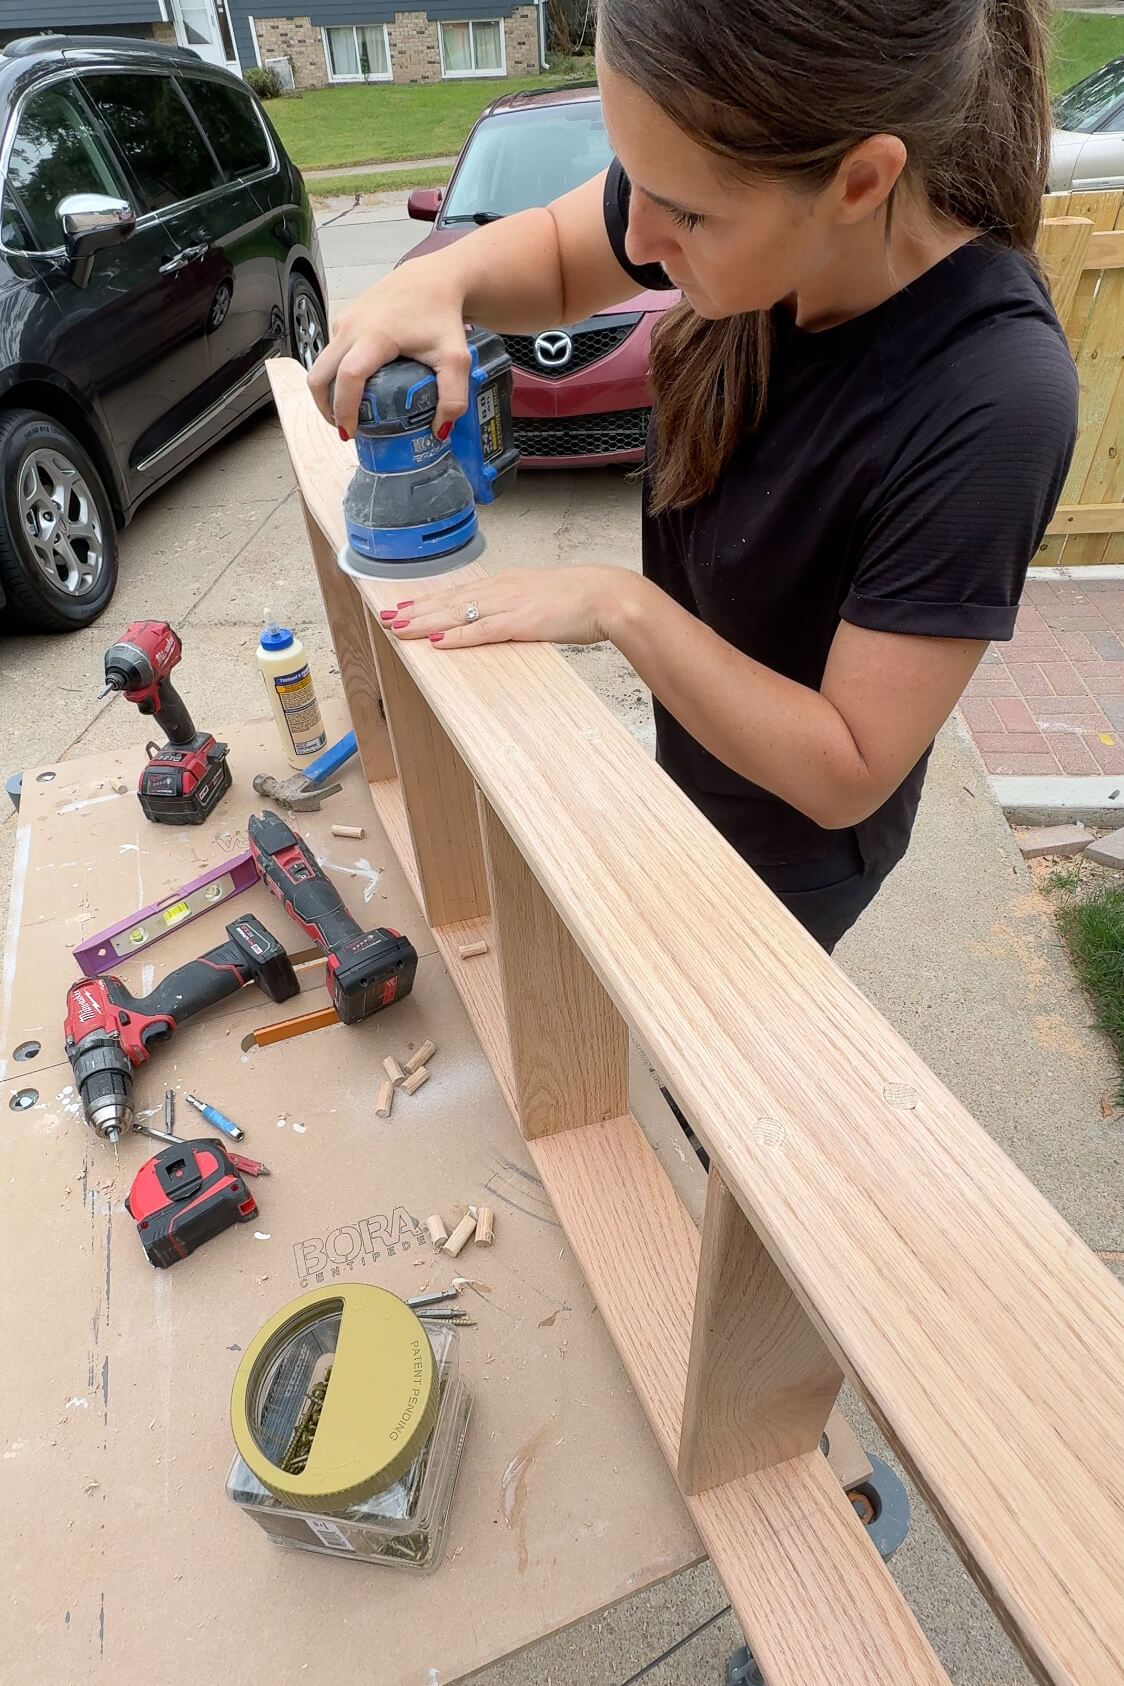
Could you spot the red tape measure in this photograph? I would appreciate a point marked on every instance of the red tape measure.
(183, 1197)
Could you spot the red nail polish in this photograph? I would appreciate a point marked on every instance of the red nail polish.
(436, 637)
(387, 614)
(343, 433)
(398, 625)
(408, 604)
(444, 430)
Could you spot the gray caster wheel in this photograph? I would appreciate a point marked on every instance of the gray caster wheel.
(882, 1506)
(741, 1670)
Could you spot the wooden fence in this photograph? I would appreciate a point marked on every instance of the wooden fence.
(1082, 252)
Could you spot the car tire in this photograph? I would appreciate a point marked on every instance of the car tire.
(308, 326)
(58, 542)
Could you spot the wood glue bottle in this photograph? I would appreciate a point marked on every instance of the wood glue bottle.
(292, 695)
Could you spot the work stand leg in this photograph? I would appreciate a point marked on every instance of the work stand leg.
(760, 1383)
(348, 623)
(439, 794)
(569, 1045)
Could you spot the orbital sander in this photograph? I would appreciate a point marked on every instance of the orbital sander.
(411, 508)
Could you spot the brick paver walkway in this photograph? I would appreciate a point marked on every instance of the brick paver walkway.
(1051, 701)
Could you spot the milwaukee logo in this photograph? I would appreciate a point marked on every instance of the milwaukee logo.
(88, 1006)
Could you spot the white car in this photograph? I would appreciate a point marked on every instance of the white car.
(1087, 148)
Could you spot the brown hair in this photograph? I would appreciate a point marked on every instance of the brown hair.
(783, 92)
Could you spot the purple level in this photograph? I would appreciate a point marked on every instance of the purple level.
(140, 930)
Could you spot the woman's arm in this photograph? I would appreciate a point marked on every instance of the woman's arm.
(836, 754)
(523, 273)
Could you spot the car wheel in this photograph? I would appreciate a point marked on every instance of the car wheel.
(308, 330)
(58, 544)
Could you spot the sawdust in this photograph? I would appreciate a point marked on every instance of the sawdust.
(1059, 1036)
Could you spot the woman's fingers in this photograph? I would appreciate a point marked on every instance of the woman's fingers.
(394, 318)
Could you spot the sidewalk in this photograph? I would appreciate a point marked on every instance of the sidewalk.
(1046, 710)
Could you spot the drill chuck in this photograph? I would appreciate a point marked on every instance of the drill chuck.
(103, 1078)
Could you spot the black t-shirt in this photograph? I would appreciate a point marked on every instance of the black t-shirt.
(903, 475)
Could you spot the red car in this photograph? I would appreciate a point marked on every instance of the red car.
(581, 392)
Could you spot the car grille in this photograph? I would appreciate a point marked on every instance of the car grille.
(581, 436)
(590, 345)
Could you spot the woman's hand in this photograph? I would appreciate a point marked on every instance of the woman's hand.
(416, 311)
(531, 605)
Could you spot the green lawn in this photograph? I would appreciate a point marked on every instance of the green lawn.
(1081, 43)
(373, 123)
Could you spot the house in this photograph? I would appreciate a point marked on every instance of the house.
(385, 41)
(319, 41)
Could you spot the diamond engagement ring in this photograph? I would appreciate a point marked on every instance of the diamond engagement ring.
(471, 612)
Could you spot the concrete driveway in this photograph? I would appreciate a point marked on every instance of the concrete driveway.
(958, 952)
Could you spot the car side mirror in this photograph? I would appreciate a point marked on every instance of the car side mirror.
(424, 204)
(90, 222)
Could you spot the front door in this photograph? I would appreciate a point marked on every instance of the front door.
(203, 26)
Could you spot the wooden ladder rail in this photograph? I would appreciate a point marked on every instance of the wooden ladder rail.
(858, 1221)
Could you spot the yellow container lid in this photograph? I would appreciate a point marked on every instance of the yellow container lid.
(379, 1409)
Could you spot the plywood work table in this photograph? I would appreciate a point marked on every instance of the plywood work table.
(122, 1547)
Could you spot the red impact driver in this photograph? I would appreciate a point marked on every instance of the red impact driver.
(187, 776)
(367, 970)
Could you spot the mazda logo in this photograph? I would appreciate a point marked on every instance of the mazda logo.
(553, 350)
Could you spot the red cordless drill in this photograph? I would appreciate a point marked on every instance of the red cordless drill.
(108, 1031)
(188, 776)
(367, 970)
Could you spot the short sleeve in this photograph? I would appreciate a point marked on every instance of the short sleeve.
(965, 502)
(618, 197)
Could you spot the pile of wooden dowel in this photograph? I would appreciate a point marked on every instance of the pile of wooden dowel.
(478, 1221)
(409, 1077)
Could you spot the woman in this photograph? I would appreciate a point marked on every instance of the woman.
(864, 413)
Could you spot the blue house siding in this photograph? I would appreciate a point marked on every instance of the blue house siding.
(327, 13)
(31, 17)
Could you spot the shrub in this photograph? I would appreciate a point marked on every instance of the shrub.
(265, 83)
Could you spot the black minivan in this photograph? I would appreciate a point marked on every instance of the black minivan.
(156, 247)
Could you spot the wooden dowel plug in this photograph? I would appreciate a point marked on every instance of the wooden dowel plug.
(355, 831)
(423, 1056)
(460, 1235)
(485, 1224)
(438, 1234)
(386, 1099)
(393, 1069)
(468, 950)
(414, 1083)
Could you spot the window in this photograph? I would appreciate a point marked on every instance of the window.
(1084, 108)
(472, 49)
(357, 53)
(522, 158)
(55, 153)
(232, 124)
(156, 136)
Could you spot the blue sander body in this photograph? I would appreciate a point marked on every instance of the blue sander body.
(410, 510)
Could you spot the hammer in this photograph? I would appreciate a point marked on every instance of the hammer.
(303, 792)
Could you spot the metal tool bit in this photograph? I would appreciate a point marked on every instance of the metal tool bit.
(435, 1298)
(157, 1135)
(217, 1118)
(170, 1111)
